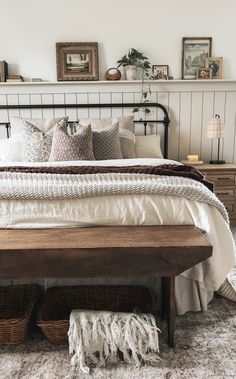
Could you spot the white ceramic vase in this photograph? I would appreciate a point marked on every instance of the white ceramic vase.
(131, 72)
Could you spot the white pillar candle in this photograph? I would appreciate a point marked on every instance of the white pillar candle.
(192, 158)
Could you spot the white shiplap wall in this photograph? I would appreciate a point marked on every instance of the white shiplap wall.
(190, 104)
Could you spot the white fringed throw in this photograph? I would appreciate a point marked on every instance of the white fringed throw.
(96, 337)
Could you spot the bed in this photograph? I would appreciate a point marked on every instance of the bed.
(151, 199)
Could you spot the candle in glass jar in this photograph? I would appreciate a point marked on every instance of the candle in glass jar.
(192, 158)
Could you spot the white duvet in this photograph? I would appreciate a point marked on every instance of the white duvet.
(194, 288)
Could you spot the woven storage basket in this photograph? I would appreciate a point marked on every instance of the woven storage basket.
(16, 305)
(53, 318)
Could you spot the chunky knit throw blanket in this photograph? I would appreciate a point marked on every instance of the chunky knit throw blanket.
(165, 169)
(41, 185)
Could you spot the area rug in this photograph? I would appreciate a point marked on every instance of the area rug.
(205, 349)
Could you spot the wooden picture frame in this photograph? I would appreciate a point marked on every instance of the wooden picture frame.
(204, 73)
(216, 65)
(160, 71)
(194, 52)
(77, 61)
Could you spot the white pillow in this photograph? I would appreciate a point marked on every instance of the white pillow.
(148, 146)
(43, 124)
(11, 149)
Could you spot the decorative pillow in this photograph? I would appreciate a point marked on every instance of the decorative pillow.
(11, 150)
(36, 144)
(148, 146)
(126, 131)
(75, 147)
(106, 143)
(43, 124)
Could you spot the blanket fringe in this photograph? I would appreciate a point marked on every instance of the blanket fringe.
(97, 337)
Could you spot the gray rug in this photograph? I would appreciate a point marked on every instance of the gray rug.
(205, 349)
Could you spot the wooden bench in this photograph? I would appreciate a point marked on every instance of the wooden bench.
(120, 251)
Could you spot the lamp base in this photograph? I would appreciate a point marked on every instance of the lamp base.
(217, 162)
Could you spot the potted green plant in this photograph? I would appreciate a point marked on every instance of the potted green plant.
(132, 61)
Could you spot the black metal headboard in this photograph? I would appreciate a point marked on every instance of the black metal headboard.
(165, 121)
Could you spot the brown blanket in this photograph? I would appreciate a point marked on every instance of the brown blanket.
(167, 169)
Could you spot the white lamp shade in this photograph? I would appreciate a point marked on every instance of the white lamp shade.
(215, 128)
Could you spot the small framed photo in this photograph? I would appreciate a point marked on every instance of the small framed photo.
(204, 73)
(216, 65)
(77, 61)
(160, 71)
(195, 50)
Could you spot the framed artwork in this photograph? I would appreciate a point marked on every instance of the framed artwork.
(77, 61)
(216, 65)
(204, 73)
(160, 71)
(195, 50)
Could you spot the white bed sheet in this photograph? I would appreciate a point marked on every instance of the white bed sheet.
(194, 288)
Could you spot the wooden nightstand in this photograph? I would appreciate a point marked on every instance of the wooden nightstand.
(224, 178)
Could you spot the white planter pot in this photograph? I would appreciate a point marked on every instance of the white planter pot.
(131, 72)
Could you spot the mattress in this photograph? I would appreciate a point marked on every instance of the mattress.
(194, 288)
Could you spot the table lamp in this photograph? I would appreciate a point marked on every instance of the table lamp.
(215, 129)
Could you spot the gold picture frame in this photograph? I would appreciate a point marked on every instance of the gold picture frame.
(194, 52)
(77, 61)
(216, 65)
(204, 73)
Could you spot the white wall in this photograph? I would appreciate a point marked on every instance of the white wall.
(29, 30)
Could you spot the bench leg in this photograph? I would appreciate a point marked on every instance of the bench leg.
(168, 306)
(164, 297)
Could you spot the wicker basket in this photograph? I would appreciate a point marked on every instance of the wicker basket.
(54, 315)
(16, 305)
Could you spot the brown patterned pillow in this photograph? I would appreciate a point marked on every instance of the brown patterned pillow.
(75, 147)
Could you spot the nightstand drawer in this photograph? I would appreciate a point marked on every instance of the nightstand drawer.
(222, 179)
(224, 194)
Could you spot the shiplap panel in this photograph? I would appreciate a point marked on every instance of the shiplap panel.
(36, 98)
(207, 113)
(190, 111)
(162, 98)
(174, 112)
(3, 115)
(219, 108)
(24, 99)
(195, 123)
(128, 97)
(105, 98)
(82, 98)
(70, 98)
(185, 124)
(93, 98)
(48, 98)
(229, 139)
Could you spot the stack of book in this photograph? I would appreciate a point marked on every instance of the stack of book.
(3, 71)
(14, 78)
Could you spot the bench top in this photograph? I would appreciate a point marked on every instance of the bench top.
(102, 237)
(101, 251)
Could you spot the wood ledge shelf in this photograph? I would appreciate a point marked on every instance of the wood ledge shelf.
(115, 82)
